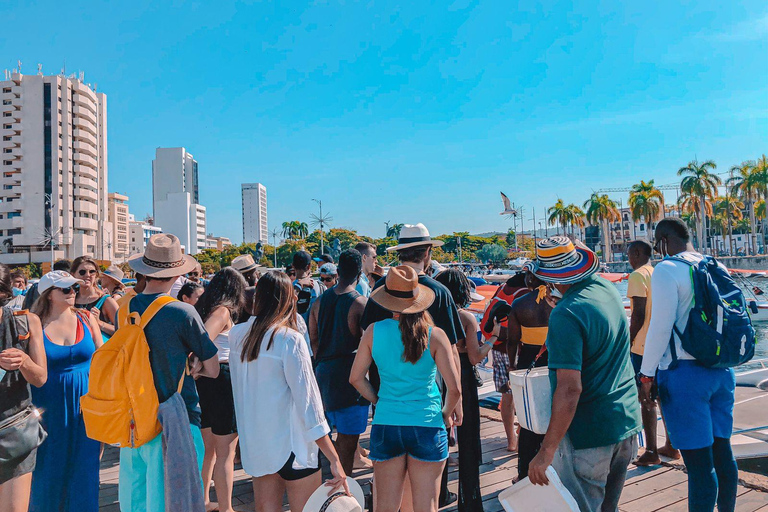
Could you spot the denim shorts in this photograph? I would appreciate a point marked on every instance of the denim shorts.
(427, 444)
(697, 403)
(350, 421)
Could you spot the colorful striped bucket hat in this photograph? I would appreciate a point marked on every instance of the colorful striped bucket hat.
(559, 261)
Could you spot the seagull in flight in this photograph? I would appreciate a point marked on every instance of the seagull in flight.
(508, 208)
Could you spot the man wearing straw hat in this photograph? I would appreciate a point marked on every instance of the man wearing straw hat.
(414, 248)
(592, 434)
(172, 334)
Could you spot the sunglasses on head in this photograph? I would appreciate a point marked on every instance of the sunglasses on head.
(85, 272)
(74, 288)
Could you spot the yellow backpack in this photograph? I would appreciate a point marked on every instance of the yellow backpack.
(121, 405)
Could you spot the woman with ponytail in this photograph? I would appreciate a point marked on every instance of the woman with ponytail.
(409, 426)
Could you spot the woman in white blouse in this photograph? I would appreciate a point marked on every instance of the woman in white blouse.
(279, 411)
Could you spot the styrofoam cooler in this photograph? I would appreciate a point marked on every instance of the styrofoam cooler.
(526, 497)
(532, 393)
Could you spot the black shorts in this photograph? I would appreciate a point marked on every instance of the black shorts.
(217, 404)
(288, 473)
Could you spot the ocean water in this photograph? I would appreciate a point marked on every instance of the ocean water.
(761, 351)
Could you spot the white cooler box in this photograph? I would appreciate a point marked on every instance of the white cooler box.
(533, 398)
(526, 497)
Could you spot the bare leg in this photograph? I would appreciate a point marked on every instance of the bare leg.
(668, 450)
(388, 477)
(209, 459)
(651, 455)
(425, 480)
(268, 492)
(299, 491)
(406, 504)
(508, 418)
(14, 494)
(346, 446)
(224, 470)
(361, 459)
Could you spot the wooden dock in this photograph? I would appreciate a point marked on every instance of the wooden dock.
(646, 489)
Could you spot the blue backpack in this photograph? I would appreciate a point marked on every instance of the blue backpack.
(719, 332)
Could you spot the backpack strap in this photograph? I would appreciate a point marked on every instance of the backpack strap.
(21, 320)
(101, 301)
(153, 308)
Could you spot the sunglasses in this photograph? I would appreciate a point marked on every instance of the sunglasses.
(194, 274)
(85, 272)
(74, 288)
(327, 279)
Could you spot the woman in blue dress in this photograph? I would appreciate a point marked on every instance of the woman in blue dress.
(66, 478)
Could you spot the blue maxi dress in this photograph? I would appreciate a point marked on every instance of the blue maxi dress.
(66, 478)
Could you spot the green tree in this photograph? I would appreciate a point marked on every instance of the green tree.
(575, 217)
(729, 208)
(700, 181)
(601, 210)
(492, 253)
(558, 215)
(393, 231)
(747, 181)
(646, 202)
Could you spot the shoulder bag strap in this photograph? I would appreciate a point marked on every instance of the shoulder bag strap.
(183, 374)
(21, 320)
(101, 301)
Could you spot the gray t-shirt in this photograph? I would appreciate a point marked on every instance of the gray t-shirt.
(174, 332)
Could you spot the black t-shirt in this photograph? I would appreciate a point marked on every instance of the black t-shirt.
(443, 310)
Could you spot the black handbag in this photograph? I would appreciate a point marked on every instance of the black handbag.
(20, 434)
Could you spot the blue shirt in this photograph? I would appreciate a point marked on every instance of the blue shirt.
(409, 396)
(363, 288)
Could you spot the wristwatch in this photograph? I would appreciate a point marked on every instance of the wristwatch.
(645, 379)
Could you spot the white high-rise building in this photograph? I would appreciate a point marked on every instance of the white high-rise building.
(54, 169)
(255, 213)
(176, 198)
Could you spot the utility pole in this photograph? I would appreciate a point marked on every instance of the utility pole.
(274, 244)
(321, 221)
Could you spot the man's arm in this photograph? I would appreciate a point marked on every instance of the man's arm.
(313, 328)
(564, 402)
(356, 315)
(514, 335)
(663, 314)
(637, 319)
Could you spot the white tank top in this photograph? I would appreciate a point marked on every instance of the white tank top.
(222, 343)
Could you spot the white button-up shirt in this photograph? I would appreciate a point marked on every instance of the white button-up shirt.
(277, 402)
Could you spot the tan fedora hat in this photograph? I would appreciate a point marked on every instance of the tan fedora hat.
(324, 500)
(244, 263)
(414, 235)
(402, 292)
(163, 258)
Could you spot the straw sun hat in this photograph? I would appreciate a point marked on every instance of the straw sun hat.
(414, 235)
(113, 272)
(402, 292)
(244, 263)
(163, 258)
(323, 500)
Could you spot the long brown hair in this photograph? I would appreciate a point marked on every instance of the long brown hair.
(274, 305)
(414, 331)
(42, 306)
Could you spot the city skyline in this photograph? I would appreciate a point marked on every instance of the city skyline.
(459, 103)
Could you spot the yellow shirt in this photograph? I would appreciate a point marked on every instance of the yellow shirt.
(640, 286)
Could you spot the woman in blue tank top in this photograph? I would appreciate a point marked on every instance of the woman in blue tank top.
(409, 425)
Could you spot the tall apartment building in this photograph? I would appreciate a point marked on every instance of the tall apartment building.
(54, 169)
(254, 213)
(119, 218)
(139, 234)
(176, 198)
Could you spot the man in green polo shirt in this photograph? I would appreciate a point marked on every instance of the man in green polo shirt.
(591, 437)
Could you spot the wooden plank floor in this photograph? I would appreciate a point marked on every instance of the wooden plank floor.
(646, 489)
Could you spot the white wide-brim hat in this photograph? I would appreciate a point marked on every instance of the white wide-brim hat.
(414, 235)
(323, 499)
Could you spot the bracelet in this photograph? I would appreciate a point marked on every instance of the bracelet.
(645, 379)
(489, 343)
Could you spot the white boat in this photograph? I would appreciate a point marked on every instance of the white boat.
(753, 376)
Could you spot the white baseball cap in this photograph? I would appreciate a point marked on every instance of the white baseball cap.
(57, 279)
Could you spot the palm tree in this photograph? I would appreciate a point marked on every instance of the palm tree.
(746, 180)
(689, 204)
(601, 209)
(575, 218)
(760, 209)
(302, 230)
(394, 230)
(700, 182)
(761, 167)
(729, 206)
(558, 215)
(646, 202)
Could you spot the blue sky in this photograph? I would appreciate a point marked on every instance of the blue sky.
(410, 111)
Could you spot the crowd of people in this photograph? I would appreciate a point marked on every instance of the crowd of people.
(277, 367)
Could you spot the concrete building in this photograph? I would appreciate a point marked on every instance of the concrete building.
(139, 233)
(254, 213)
(217, 242)
(176, 197)
(119, 218)
(54, 169)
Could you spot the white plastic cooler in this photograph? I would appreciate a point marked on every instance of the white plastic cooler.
(533, 398)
